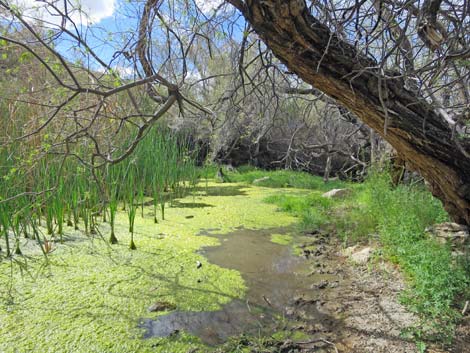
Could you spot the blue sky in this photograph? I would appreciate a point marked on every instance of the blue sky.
(107, 26)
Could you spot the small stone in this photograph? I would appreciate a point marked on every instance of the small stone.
(337, 193)
(448, 232)
(256, 181)
(334, 284)
(349, 251)
(290, 311)
(362, 257)
(320, 285)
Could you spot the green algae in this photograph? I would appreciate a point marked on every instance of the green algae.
(294, 335)
(281, 239)
(90, 296)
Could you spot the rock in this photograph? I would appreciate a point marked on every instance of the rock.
(320, 285)
(361, 257)
(289, 311)
(337, 193)
(161, 306)
(334, 284)
(349, 251)
(256, 181)
(448, 232)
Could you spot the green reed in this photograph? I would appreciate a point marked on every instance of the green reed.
(161, 168)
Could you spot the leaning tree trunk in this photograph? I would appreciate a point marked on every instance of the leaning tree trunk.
(418, 133)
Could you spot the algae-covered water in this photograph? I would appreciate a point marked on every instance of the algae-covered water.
(219, 257)
(274, 277)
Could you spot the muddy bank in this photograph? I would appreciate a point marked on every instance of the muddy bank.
(334, 304)
(359, 311)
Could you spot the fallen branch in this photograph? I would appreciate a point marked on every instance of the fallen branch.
(319, 340)
(464, 310)
(267, 301)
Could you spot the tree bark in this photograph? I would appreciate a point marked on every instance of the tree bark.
(418, 133)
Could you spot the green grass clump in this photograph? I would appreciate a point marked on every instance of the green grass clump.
(313, 209)
(436, 279)
(397, 217)
(283, 179)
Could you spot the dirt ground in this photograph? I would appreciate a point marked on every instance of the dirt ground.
(359, 305)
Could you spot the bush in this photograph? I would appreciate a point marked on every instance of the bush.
(399, 216)
(283, 179)
(402, 215)
(313, 209)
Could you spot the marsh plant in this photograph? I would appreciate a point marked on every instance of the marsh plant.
(113, 206)
(61, 192)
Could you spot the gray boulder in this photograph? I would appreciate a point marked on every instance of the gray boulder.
(337, 193)
(448, 232)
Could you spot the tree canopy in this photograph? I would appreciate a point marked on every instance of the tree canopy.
(401, 67)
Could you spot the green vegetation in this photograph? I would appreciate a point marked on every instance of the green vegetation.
(282, 239)
(399, 216)
(312, 209)
(91, 297)
(65, 283)
(436, 278)
(56, 191)
(281, 179)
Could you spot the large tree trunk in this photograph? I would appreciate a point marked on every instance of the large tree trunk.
(418, 133)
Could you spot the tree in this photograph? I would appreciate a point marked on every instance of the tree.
(431, 139)
(401, 67)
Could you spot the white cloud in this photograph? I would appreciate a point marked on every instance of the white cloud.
(125, 72)
(208, 6)
(81, 11)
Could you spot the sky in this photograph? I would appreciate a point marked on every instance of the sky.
(105, 24)
(96, 10)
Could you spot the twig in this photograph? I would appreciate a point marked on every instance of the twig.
(248, 306)
(464, 310)
(319, 340)
(267, 301)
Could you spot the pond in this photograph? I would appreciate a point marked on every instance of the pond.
(275, 277)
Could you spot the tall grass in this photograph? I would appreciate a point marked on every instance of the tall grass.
(161, 167)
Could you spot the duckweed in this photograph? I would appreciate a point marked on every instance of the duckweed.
(90, 296)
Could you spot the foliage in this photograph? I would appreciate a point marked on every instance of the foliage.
(282, 179)
(399, 216)
(96, 296)
(312, 209)
(436, 279)
(55, 190)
